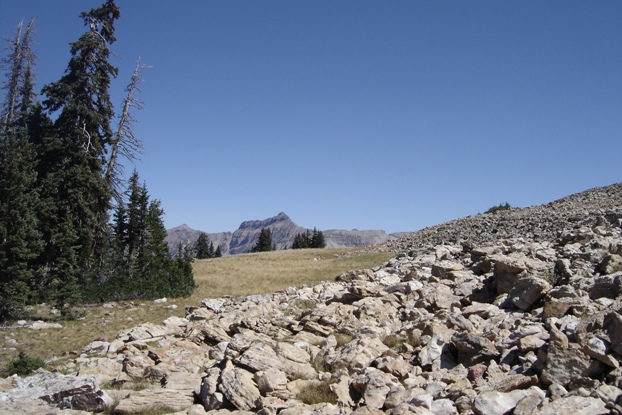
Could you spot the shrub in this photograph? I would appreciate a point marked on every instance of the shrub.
(342, 339)
(502, 206)
(23, 364)
(317, 392)
(392, 341)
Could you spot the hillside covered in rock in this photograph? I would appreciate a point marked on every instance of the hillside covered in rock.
(514, 313)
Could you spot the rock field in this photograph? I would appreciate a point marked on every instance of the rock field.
(518, 312)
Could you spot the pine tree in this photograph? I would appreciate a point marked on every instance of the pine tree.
(317, 239)
(301, 241)
(201, 247)
(77, 195)
(218, 252)
(137, 233)
(56, 186)
(264, 243)
(20, 238)
(144, 266)
(309, 239)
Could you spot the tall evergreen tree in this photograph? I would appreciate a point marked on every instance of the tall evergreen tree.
(57, 180)
(76, 193)
(20, 238)
(144, 267)
(301, 240)
(309, 239)
(264, 242)
(317, 239)
(201, 248)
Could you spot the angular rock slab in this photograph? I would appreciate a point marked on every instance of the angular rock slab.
(143, 400)
(573, 405)
(239, 388)
(565, 365)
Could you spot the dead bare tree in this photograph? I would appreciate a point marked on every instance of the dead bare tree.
(20, 58)
(124, 141)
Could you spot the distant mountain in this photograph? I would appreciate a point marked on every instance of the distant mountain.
(283, 231)
(185, 235)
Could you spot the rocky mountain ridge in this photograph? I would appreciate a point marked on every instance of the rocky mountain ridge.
(513, 313)
(283, 230)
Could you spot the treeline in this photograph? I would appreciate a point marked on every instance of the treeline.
(61, 180)
(309, 239)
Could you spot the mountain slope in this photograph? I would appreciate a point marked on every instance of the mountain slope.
(537, 223)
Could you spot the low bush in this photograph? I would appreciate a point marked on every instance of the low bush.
(24, 364)
(500, 207)
(317, 392)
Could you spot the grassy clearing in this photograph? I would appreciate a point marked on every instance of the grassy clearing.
(237, 275)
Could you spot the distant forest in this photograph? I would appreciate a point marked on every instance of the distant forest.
(73, 228)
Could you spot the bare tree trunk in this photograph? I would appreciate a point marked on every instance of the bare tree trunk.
(20, 58)
(124, 141)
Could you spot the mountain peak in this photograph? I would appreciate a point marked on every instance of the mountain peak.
(281, 218)
(182, 227)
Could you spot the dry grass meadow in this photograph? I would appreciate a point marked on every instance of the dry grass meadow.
(237, 276)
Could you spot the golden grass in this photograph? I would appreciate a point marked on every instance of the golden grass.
(237, 275)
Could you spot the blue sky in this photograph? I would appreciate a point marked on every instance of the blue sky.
(359, 114)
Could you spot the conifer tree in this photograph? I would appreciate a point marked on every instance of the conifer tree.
(309, 239)
(56, 184)
(20, 238)
(317, 239)
(76, 193)
(264, 243)
(201, 247)
(301, 240)
(144, 266)
(218, 252)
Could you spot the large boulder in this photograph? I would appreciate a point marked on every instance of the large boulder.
(527, 291)
(564, 365)
(239, 387)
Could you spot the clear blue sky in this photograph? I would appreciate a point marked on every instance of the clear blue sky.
(359, 114)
